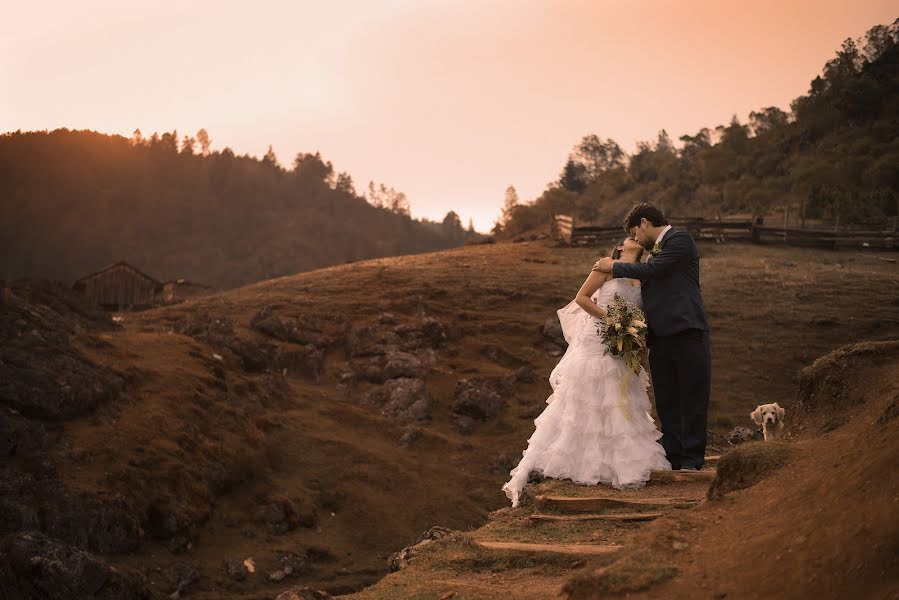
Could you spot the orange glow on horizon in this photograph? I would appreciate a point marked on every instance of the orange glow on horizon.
(447, 101)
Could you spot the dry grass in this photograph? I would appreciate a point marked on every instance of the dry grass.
(772, 311)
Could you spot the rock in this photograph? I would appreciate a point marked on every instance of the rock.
(401, 559)
(303, 361)
(304, 331)
(472, 398)
(410, 434)
(42, 374)
(255, 356)
(53, 570)
(404, 398)
(500, 356)
(503, 463)
(376, 338)
(39, 500)
(392, 364)
(433, 332)
(535, 477)
(278, 515)
(525, 374)
(740, 435)
(463, 424)
(304, 593)
(181, 575)
(236, 569)
(291, 562)
(403, 364)
(371, 340)
(179, 544)
(552, 331)
(275, 390)
(268, 323)
(715, 442)
(162, 522)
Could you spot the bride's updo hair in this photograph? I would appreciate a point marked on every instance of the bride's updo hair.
(616, 253)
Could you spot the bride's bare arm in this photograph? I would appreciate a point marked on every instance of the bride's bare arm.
(594, 282)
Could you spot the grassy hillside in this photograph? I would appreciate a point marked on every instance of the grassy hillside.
(270, 422)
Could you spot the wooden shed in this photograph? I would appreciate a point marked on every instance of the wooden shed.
(119, 286)
(181, 289)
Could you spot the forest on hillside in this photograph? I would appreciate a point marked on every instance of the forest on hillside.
(833, 156)
(73, 202)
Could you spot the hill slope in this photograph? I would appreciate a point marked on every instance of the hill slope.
(321, 420)
(74, 202)
(810, 517)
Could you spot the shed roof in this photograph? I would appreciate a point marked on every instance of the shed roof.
(120, 263)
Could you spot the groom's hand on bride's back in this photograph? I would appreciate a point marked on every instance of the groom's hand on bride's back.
(603, 265)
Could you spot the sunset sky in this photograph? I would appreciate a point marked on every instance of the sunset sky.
(449, 101)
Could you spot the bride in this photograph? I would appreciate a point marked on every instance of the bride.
(597, 427)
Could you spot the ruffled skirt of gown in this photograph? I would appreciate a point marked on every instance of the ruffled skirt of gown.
(596, 427)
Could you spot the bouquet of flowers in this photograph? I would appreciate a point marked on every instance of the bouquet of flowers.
(624, 331)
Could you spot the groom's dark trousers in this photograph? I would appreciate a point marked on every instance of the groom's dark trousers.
(678, 338)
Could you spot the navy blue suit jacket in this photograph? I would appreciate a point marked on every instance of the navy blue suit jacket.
(671, 299)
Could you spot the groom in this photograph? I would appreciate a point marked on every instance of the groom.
(678, 337)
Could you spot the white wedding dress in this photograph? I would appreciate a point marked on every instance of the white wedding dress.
(597, 427)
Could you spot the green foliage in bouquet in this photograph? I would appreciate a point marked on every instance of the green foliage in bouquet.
(624, 332)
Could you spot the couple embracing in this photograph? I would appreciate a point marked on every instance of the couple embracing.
(597, 427)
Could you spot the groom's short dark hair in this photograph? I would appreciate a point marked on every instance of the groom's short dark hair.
(644, 211)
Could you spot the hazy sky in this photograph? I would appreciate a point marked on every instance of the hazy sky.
(449, 101)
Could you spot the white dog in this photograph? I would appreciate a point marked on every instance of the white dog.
(770, 417)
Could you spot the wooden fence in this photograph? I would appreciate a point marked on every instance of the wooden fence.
(723, 230)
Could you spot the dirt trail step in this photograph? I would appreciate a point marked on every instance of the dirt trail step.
(598, 503)
(681, 476)
(647, 516)
(556, 548)
(712, 460)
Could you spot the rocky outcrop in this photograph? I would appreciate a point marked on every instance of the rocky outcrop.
(406, 399)
(33, 565)
(42, 374)
(475, 399)
(740, 435)
(280, 515)
(552, 338)
(254, 356)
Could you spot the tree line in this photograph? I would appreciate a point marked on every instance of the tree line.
(833, 156)
(72, 202)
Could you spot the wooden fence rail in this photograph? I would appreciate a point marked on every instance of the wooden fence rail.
(722, 230)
